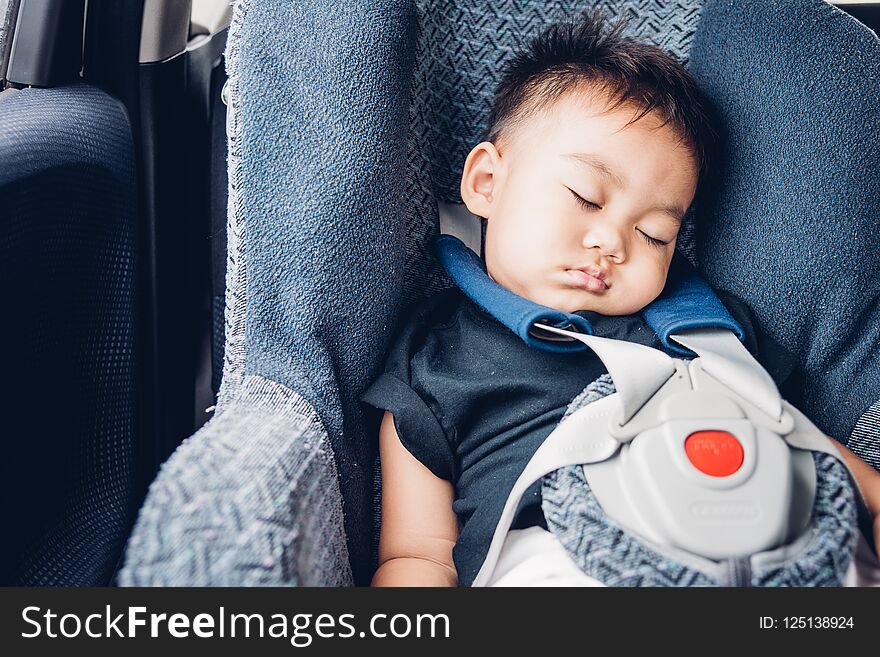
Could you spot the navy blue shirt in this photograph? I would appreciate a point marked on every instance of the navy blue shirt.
(473, 403)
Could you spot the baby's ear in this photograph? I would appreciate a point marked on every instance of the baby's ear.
(483, 170)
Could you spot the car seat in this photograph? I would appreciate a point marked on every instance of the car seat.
(347, 131)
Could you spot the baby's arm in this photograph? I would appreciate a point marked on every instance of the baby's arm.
(419, 526)
(868, 480)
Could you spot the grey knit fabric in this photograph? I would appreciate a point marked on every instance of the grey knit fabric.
(865, 438)
(249, 500)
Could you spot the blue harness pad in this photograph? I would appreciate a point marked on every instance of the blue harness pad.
(686, 302)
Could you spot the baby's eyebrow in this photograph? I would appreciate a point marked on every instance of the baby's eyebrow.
(596, 163)
(677, 214)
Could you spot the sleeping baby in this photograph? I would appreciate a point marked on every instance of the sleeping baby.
(597, 147)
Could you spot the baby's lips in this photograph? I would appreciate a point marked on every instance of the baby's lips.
(587, 281)
(595, 271)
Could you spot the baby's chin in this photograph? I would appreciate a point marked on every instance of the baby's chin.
(603, 305)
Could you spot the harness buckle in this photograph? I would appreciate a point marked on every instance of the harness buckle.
(550, 336)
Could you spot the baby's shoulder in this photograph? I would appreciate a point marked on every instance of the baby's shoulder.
(421, 318)
(431, 312)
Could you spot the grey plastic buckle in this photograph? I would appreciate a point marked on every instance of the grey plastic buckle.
(549, 336)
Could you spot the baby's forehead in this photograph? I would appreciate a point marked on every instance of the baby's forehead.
(582, 109)
(589, 139)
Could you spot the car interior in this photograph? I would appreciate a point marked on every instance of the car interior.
(115, 183)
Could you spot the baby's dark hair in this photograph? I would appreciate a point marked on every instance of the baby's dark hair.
(589, 51)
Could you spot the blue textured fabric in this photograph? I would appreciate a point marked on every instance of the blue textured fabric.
(74, 461)
(792, 229)
(686, 302)
(324, 99)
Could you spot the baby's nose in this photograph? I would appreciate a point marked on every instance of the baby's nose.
(608, 240)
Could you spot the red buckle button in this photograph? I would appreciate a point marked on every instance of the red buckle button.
(715, 453)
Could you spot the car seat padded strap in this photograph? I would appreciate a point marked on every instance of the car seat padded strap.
(686, 303)
(515, 312)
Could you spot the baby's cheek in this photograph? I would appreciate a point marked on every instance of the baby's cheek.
(642, 288)
(654, 282)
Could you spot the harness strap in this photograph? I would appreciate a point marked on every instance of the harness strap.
(686, 303)
(638, 371)
(724, 357)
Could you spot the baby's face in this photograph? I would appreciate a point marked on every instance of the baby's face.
(582, 214)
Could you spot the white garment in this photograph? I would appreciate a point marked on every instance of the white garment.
(534, 557)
